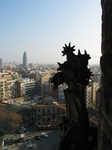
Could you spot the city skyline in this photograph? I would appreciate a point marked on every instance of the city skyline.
(43, 28)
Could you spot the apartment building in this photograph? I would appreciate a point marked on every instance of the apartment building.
(98, 98)
(53, 91)
(10, 85)
(90, 94)
(44, 84)
(8, 77)
(46, 87)
(12, 88)
(46, 114)
(61, 96)
(26, 87)
(3, 89)
(88, 98)
(96, 77)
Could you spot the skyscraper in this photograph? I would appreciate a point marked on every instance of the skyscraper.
(25, 60)
(0, 62)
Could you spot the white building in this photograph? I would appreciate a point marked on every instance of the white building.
(27, 87)
(61, 92)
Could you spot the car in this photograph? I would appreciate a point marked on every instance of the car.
(38, 138)
(44, 135)
(29, 145)
(10, 141)
(28, 142)
(49, 125)
(44, 126)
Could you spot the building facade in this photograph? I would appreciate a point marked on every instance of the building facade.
(26, 87)
(96, 77)
(47, 114)
(44, 84)
(90, 94)
(61, 96)
(3, 89)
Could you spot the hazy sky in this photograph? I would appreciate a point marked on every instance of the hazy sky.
(43, 27)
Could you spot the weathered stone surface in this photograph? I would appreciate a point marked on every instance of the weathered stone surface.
(105, 120)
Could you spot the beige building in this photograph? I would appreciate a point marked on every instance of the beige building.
(8, 77)
(6, 84)
(3, 89)
(53, 91)
(43, 84)
(90, 94)
(5, 75)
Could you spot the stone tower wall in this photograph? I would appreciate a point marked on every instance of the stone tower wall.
(105, 110)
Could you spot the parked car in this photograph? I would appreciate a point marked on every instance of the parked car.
(44, 135)
(28, 142)
(10, 141)
(29, 145)
(38, 138)
(49, 125)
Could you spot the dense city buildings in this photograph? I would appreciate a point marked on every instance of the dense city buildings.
(21, 82)
(28, 92)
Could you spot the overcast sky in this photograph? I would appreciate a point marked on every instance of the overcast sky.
(43, 27)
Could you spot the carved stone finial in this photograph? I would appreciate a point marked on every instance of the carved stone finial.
(68, 51)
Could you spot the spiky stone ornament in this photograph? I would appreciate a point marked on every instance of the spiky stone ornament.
(75, 73)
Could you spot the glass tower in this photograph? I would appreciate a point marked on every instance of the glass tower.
(0, 62)
(25, 60)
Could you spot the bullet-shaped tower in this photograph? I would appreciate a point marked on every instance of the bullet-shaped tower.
(25, 60)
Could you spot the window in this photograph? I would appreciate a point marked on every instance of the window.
(58, 110)
(43, 110)
(48, 119)
(43, 119)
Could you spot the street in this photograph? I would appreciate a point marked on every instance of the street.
(50, 143)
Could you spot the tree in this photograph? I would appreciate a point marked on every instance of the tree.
(14, 119)
(10, 119)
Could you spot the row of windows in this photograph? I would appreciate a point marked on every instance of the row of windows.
(46, 110)
(47, 119)
(47, 114)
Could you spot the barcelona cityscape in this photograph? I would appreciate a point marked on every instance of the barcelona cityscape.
(55, 75)
(30, 105)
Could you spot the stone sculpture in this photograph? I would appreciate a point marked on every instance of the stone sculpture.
(75, 73)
